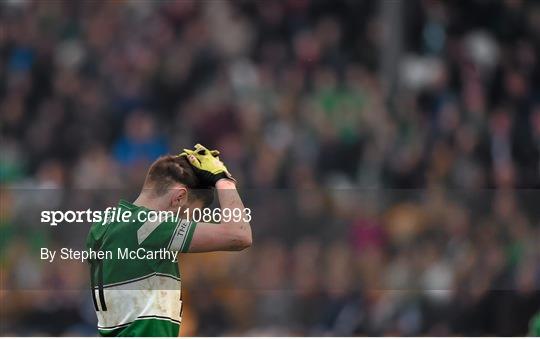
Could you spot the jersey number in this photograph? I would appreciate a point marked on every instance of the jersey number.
(96, 268)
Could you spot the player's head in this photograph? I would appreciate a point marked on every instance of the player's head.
(172, 180)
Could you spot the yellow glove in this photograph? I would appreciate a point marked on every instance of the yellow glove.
(206, 165)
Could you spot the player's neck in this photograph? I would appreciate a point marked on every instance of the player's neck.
(143, 200)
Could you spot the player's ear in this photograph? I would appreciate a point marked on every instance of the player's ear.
(179, 197)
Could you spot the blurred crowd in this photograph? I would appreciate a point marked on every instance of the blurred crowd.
(385, 204)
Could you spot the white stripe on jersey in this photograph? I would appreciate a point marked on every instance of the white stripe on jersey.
(154, 296)
(144, 231)
(180, 235)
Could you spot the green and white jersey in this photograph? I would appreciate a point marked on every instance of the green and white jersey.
(138, 296)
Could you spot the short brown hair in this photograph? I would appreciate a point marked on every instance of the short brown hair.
(168, 170)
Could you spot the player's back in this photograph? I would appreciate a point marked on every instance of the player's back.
(136, 288)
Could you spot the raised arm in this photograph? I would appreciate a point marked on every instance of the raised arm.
(226, 236)
(229, 235)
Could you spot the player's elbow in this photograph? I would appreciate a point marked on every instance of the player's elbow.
(247, 241)
(243, 239)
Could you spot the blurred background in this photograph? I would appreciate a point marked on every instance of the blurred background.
(390, 151)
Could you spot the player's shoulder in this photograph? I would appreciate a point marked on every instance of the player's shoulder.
(112, 218)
